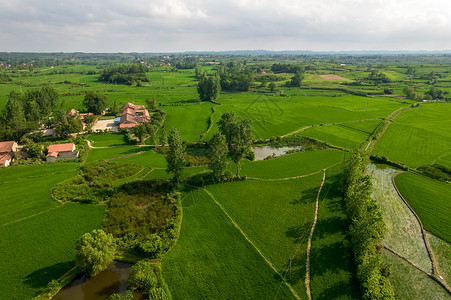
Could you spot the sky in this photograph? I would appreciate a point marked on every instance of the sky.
(215, 25)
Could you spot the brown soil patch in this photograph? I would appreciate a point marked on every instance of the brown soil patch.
(333, 77)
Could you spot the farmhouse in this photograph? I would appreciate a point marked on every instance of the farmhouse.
(133, 115)
(7, 151)
(61, 151)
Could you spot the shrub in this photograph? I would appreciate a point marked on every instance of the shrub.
(143, 277)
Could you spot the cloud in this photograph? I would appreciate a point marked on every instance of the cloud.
(176, 25)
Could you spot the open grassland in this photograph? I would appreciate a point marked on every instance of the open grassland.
(41, 248)
(442, 251)
(187, 172)
(291, 165)
(276, 216)
(191, 121)
(108, 139)
(108, 153)
(212, 259)
(430, 199)
(275, 115)
(25, 190)
(403, 233)
(410, 283)
(419, 136)
(331, 263)
(348, 136)
(149, 158)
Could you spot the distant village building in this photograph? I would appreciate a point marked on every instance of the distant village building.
(82, 116)
(133, 115)
(61, 151)
(7, 151)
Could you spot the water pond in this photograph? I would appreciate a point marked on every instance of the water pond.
(262, 152)
(112, 280)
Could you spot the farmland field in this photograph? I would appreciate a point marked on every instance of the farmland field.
(276, 216)
(106, 140)
(430, 199)
(213, 260)
(410, 283)
(332, 266)
(403, 230)
(51, 236)
(419, 136)
(348, 136)
(296, 164)
(28, 189)
(442, 252)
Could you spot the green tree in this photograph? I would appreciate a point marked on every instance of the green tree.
(151, 104)
(228, 126)
(114, 109)
(127, 295)
(13, 115)
(140, 131)
(176, 156)
(243, 143)
(272, 87)
(217, 154)
(163, 136)
(95, 251)
(142, 277)
(95, 102)
(209, 88)
(297, 79)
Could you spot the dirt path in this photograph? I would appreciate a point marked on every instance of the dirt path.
(250, 242)
(133, 154)
(309, 244)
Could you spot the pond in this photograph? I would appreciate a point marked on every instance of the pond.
(112, 280)
(262, 152)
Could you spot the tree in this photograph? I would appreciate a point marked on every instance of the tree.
(95, 103)
(142, 276)
(296, 80)
(217, 154)
(228, 126)
(114, 109)
(140, 131)
(176, 156)
(243, 143)
(127, 295)
(163, 136)
(151, 104)
(272, 87)
(209, 88)
(95, 251)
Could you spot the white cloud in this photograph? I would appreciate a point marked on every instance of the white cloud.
(177, 25)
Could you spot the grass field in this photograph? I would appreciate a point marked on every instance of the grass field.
(430, 199)
(348, 136)
(403, 233)
(107, 153)
(332, 266)
(296, 164)
(25, 190)
(149, 158)
(213, 260)
(419, 136)
(187, 172)
(41, 248)
(106, 140)
(442, 252)
(410, 283)
(276, 216)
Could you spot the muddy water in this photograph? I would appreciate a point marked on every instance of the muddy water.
(112, 280)
(262, 152)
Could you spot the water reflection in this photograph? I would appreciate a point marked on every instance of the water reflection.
(262, 152)
(112, 280)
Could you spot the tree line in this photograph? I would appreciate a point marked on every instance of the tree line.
(367, 229)
(124, 74)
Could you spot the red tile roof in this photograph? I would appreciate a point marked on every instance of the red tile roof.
(129, 125)
(6, 146)
(61, 147)
(4, 158)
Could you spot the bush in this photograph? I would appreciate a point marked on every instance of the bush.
(151, 246)
(143, 277)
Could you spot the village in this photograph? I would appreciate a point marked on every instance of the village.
(131, 115)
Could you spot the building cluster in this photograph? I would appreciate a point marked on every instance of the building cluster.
(132, 115)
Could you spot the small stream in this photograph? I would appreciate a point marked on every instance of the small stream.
(112, 280)
(262, 152)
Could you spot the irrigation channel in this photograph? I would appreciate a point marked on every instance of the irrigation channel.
(112, 280)
(263, 152)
